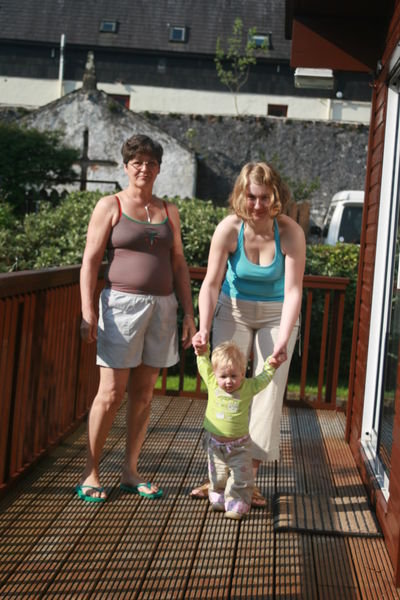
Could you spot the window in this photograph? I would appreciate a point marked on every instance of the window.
(123, 99)
(350, 225)
(109, 26)
(390, 382)
(263, 40)
(277, 110)
(178, 34)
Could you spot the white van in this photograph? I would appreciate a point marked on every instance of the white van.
(344, 217)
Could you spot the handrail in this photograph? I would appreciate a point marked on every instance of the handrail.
(49, 377)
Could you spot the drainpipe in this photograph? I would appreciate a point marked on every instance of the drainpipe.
(329, 109)
(61, 66)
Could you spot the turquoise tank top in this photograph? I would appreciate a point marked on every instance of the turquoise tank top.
(247, 281)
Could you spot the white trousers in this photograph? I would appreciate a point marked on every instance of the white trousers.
(254, 326)
(230, 472)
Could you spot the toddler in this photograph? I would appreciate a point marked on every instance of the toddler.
(227, 422)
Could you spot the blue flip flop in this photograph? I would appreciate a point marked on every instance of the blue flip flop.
(88, 497)
(134, 489)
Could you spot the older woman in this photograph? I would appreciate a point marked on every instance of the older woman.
(257, 255)
(137, 329)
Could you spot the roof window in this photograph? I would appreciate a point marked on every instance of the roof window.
(262, 40)
(178, 34)
(109, 26)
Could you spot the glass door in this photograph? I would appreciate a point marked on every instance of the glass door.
(384, 337)
(391, 357)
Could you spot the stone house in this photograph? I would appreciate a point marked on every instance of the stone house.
(97, 125)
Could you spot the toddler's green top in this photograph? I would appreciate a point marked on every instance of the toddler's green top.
(227, 415)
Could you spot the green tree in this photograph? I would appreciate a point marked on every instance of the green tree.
(30, 162)
(233, 66)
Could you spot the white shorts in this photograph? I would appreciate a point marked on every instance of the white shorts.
(135, 329)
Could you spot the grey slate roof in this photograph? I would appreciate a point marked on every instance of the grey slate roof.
(143, 25)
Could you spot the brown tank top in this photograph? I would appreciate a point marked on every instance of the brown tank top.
(139, 256)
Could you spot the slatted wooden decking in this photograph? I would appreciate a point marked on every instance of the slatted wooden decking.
(55, 546)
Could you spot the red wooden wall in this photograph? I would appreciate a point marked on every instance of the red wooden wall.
(388, 512)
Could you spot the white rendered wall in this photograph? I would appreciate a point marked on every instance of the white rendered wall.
(27, 92)
(32, 93)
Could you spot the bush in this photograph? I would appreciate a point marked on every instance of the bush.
(332, 261)
(51, 237)
(10, 228)
(199, 219)
(56, 236)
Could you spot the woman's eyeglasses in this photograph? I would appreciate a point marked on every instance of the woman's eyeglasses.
(139, 164)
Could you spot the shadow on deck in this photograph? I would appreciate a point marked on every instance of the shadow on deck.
(55, 545)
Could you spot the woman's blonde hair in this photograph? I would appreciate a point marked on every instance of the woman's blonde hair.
(228, 354)
(259, 173)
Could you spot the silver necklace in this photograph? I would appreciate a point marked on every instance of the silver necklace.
(147, 213)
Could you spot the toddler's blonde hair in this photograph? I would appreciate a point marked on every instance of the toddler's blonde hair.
(228, 354)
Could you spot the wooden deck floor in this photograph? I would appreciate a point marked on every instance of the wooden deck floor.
(53, 545)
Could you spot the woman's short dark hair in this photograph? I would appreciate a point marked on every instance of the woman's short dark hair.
(141, 144)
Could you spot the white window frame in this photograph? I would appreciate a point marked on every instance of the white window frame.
(260, 38)
(107, 26)
(382, 286)
(178, 29)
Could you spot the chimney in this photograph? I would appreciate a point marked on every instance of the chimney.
(89, 82)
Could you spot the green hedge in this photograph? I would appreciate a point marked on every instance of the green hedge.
(55, 235)
(333, 261)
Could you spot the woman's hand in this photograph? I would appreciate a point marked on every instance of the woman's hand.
(200, 342)
(188, 330)
(279, 355)
(89, 329)
(273, 362)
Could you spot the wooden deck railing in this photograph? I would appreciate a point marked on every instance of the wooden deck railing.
(334, 289)
(49, 378)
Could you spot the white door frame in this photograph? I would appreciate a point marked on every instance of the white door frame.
(383, 274)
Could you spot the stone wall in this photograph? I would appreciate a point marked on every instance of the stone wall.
(331, 153)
